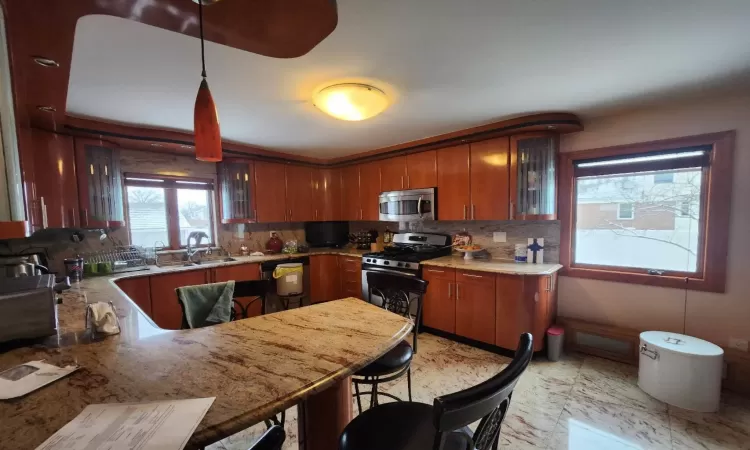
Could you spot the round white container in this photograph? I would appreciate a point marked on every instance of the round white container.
(683, 371)
(289, 279)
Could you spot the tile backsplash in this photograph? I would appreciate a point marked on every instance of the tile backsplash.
(517, 232)
(255, 235)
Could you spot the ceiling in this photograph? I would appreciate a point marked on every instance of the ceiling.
(446, 64)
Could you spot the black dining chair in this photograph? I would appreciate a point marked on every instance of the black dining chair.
(397, 294)
(444, 425)
(252, 288)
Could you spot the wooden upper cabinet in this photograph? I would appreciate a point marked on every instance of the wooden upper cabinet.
(421, 170)
(100, 191)
(326, 197)
(490, 179)
(453, 182)
(237, 191)
(299, 193)
(533, 176)
(270, 188)
(369, 191)
(55, 173)
(350, 209)
(393, 174)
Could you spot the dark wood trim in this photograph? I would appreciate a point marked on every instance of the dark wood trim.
(711, 275)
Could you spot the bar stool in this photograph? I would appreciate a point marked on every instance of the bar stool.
(397, 294)
(444, 425)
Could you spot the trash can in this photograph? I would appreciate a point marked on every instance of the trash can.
(288, 279)
(555, 338)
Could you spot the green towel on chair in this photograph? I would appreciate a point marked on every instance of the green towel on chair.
(206, 304)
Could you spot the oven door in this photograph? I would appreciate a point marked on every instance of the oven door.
(405, 206)
(376, 299)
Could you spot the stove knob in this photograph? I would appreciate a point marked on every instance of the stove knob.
(387, 263)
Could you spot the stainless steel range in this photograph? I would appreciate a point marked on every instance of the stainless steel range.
(405, 256)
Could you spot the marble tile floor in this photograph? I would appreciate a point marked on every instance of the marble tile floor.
(578, 403)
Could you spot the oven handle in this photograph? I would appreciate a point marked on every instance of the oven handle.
(394, 272)
(419, 206)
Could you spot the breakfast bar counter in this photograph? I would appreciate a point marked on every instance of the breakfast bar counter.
(255, 367)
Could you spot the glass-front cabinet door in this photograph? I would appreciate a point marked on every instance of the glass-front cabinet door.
(99, 184)
(533, 174)
(237, 194)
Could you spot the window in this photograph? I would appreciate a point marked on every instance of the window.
(663, 177)
(654, 213)
(163, 211)
(625, 211)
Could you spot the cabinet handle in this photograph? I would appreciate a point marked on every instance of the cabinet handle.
(512, 212)
(458, 291)
(408, 181)
(402, 181)
(255, 214)
(449, 289)
(361, 214)
(549, 284)
(43, 209)
(464, 212)
(86, 216)
(435, 271)
(472, 276)
(473, 211)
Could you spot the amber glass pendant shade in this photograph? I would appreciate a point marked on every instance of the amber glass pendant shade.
(207, 132)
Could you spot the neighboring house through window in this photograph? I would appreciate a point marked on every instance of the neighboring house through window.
(163, 211)
(640, 213)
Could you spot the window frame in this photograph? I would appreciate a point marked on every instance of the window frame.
(170, 184)
(632, 211)
(715, 208)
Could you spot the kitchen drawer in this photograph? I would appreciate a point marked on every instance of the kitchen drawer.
(443, 273)
(467, 276)
(350, 264)
(351, 289)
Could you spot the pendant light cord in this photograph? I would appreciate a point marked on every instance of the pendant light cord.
(203, 50)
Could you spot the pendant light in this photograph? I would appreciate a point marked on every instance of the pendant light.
(206, 119)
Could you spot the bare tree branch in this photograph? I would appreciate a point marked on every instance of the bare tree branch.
(631, 233)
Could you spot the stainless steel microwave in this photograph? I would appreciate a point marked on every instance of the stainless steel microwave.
(406, 206)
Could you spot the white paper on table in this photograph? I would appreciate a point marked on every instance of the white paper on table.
(28, 377)
(164, 425)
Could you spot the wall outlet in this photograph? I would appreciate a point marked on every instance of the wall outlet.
(270, 233)
(738, 344)
(499, 236)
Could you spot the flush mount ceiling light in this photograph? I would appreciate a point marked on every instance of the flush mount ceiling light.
(351, 101)
(205, 117)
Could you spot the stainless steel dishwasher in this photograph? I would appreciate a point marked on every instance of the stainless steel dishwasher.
(273, 302)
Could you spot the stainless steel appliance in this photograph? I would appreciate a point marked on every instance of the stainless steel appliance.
(404, 206)
(405, 256)
(22, 265)
(27, 307)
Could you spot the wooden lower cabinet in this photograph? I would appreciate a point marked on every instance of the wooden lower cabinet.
(351, 276)
(139, 290)
(524, 304)
(165, 309)
(242, 272)
(439, 309)
(325, 280)
(475, 306)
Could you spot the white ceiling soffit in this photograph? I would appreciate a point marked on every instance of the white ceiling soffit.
(447, 64)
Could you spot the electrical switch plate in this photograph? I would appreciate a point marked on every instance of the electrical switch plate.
(738, 344)
(499, 236)
(270, 233)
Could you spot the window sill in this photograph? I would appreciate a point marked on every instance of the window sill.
(695, 283)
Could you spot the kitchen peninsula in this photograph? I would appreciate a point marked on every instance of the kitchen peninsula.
(255, 368)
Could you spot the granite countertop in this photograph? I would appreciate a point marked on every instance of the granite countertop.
(254, 367)
(493, 265)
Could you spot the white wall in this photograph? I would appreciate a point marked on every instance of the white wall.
(714, 317)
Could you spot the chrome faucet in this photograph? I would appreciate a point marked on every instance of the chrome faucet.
(198, 236)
